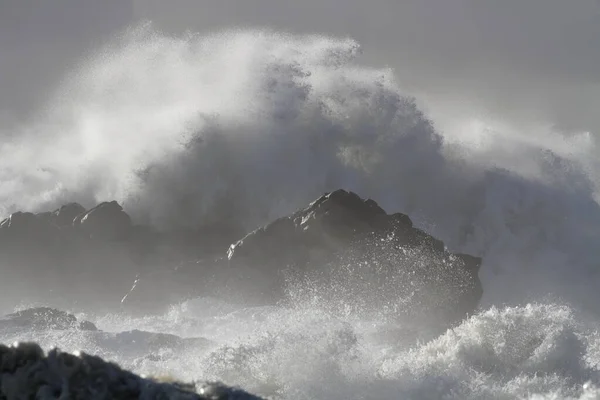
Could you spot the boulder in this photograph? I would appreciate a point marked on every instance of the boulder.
(26, 372)
(343, 244)
(105, 221)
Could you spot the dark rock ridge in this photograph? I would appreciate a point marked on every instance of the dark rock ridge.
(45, 318)
(105, 221)
(27, 373)
(340, 234)
(73, 257)
(342, 248)
(340, 244)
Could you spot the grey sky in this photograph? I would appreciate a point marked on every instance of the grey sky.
(528, 60)
(40, 40)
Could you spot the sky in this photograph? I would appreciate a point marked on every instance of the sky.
(522, 61)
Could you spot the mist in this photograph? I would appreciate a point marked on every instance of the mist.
(532, 62)
(239, 127)
(476, 118)
(528, 61)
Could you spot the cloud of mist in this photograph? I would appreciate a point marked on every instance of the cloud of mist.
(527, 63)
(532, 61)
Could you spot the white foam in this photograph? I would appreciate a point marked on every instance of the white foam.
(537, 351)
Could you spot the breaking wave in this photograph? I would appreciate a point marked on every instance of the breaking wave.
(533, 351)
(239, 127)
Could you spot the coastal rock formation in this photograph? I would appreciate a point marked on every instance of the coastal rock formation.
(340, 235)
(73, 256)
(330, 223)
(105, 221)
(45, 318)
(27, 373)
(339, 244)
(64, 216)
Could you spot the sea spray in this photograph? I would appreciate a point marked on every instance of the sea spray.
(546, 350)
(240, 127)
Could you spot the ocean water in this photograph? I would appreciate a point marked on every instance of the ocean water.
(245, 126)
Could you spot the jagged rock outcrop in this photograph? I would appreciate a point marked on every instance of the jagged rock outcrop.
(27, 226)
(44, 222)
(97, 257)
(340, 234)
(107, 220)
(65, 215)
(89, 257)
(45, 318)
(27, 373)
(330, 223)
(48, 258)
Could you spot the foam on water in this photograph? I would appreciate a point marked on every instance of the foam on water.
(241, 127)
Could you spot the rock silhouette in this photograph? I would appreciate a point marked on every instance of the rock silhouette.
(105, 221)
(102, 258)
(27, 373)
(340, 234)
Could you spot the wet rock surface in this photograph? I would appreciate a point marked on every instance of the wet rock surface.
(73, 257)
(26, 372)
(102, 258)
(106, 221)
(340, 235)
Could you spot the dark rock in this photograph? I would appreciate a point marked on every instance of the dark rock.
(19, 221)
(26, 224)
(329, 224)
(331, 221)
(470, 263)
(91, 257)
(94, 259)
(65, 215)
(105, 221)
(27, 373)
(87, 326)
(28, 245)
(45, 318)
(341, 235)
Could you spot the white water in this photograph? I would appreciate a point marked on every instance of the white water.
(245, 126)
(306, 353)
